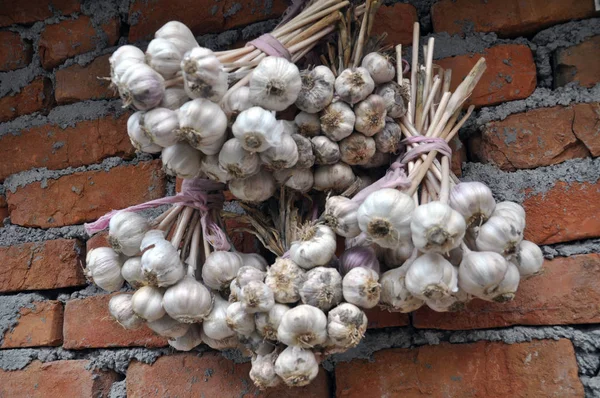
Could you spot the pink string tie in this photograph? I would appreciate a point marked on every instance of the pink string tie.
(428, 144)
(270, 46)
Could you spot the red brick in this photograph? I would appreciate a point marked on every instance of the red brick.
(586, 126)
(566, 293)
(397, 21)
(210, 375)
(578, 64)
(3, 208)
(88, 324)
(459, 156)
(566, 212)
(543, 368)
(98, 240)
(509, 18)
(35, 97)
(25, 12)
(80, 83)
(38, 326)
(50, 146)
(85, 196)
(378, 318)
(201, 17)
(56, 379)
(43, 265)
(72, 37)
(243, 241)
(510, 74)
(14, 52)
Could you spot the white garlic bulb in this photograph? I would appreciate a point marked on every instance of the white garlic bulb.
(256, 344)
(196, 88)
(220, 268)
(528, 258)
(215, 324)
(152, 237)
(202, 124)
(220, 345)
(142, 87)
(267, 323)
(501, 235)
(436, 227)
(322, 288)
(431, 277)
(188, 301)
(247, 274)
(132, 272)
(254, 260)
(306, 158)
(161, 265)
(354, 85)
(275, 83)
(317, 89)
(300, 180)
(370, 115)
(237, 102)
(480, 273)
(341, 215)
(235, 291)
(385, 217)
(395, 296)
(356, 149)
(346, 325)
(147, 303)
(257, 188)
(282, 156)
(174, 98)
(325, 150)
(452, 303)
(178, 34)
(203, 75)
(396, 256)
(379, 66)
(303, 326)
(257, 129)
(285, 278)
(238, 162)
(395, 97)
(388, 140)
(209, 165)
(474, 201)
(309, 124)
(190, 340)
(181, 160)
(360, 287)
(297, 367)
(121, 309)
(161, 126)
(138, 137)
(358, 256)
(103, 267)
(164, 57)
(169, 327)
(336, 177)
(337, 121)
(511, 210)
(256, 296)
(316, 247)
(126, 231)
(126, 52)
(263, 373)
(119, 69)
(239, 320)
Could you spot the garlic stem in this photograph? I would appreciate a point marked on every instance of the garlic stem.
(413, 76)
(430, 98)
(185, 249)
(445, 189)
(159, 219)
(168, 221)
(181, 226)
(399, 68)
(194, 249)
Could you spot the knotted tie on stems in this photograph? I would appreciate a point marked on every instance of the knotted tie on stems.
(270, 46)
(194, 194)
(428, 144)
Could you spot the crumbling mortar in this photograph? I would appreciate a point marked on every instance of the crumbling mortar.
(10, 307)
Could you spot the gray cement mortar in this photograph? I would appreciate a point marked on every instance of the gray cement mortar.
(9, 310)
(571, 248)
(118, 389)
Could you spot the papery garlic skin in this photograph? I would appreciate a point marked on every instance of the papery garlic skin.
(263, 373)
(356, 149)
(257, 188)
(103, 267)
(199, 89)
(358, 256)
(297, 367)
(337, 121)
(181, 160)
(322, 288)
(147, 303)
(161, 126)
(237, 102)
(188, 301)
(142, 87)
(354, 85)
(203, 125)
(138, 137)
(178, 34)
(238, 162)
(161, 265)
(301, 180)
(317, 89)
(395, 296)
(215, 324)
(474, 201)
(336, 177)
(257, 129)
(169, 327)
(501, 235)
(360, 287)
(395, 97)
(528, 258)
(203, 74)
(341, 215)
(222, 344)
(126, 52)
(480, 273)
(191, 339)
(254, 260)
(132, 272)
(380, 68)
(388, 140)
(346, 325)
(235, 291)
(239, 320)
(325, 150)
(370, 115)
(431, 277)
(267, 323)
(282, 156)
(209, 166)
(303, 326)
(316, 247)
(256, 296)
(121, 309)
(164, 57)
(436, 227)
(151, 238)
(275, 83)
(248, 273)
(309, 124)
(453, 303)
(306, 158)
(174, 98)
(395, 257)
(256, 344)
(511, 210)
(285, 278)
(220, 268)
(507, 289)
(126, 231)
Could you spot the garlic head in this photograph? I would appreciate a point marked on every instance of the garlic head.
(360, 287)
(354, 85)
(317, 89)
(316, 247)
(275, 83)
(436, 227)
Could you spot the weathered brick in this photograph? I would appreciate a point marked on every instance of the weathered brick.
(378, 318)
(565, 212)
(510, 74)
(509, 18)
(56, 379)
(34, 97)
(566, 293)
(25, 12)
(201, 17)
(586, 126)
(85, 196)
(459, 155)
(50, 146)
(80, 83)
(98, 240)
(72, 37)
(15, 53)
(43, 265)
(88, 324)
(578, 64)
(40, 325)
(210, 375)
(543, 368)
(397, 21)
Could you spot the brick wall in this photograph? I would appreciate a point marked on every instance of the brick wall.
(65, 159)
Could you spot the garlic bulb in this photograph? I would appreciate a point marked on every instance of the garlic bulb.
(132, 272)
(529, 258)
(119, 69)
(161, 124)
(178, 34)
(303, 326)
(474, 201)
(436, 227)
(138, 137)
(370, 115)
(181, 160)
(126, 52)
(500, 235)
(174, 98)
(215, 324)
(336, 177)
(346, 325)
(360, 287)
(296, 366)
(103, 267)
(341, 215)
(256, 296)
(354, 85)
(452, 303)
(237, 102)
(317, 89)
(300, 180)
(190, 340)
(285, 278)
(256, 188)
(126, 231)
(238, 162)
(379, 66)
(142, 87)
(385, 217)
(337, 121)
(511, 211)
(247, 274)
(188, 301)
(282, 156)
(388, 140)
(322, 288)
(325, 150)
(202, 124)
(309, 124)
(121, 309)
(316, 247)
(239, 320)
(254, 260)
(480, 273)
(161, 264)
(358, 256)
(257, 129)
(235, 291)
(201, 89)
(267, 323)
(508, 287)
(256, 344)
(223, 344)
(152, 237)
(356, 149)
(395, 296)
(431, 277)
(396, 256)
(275, 83)
(203, 75)
(169, 327)
(209, 165)
(146, 302)
(306, 158)
(263, 373)
(220, 268)
(164, 57)
(395, 98)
